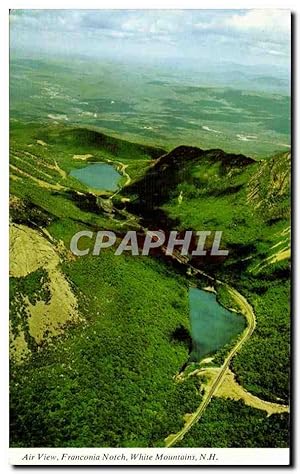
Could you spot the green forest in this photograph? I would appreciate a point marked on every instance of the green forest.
(120, 374)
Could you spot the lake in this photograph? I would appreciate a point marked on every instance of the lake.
(212, 326)
(98, 176)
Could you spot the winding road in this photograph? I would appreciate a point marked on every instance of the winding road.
(122, 169)
(247, 310)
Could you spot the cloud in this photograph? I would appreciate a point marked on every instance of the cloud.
(207, 35)
(276, 53)
(152, 22)
(264, 20)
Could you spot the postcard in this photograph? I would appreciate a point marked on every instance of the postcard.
(150, 227)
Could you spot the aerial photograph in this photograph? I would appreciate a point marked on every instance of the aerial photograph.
(150, 222)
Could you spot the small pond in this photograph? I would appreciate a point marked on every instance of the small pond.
(98, 176)
(212, 325)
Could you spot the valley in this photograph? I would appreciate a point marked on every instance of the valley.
(120, 347)
(148, 103)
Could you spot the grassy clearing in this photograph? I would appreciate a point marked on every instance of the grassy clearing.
(42, 301)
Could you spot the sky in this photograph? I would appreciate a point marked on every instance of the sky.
(245, 37)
